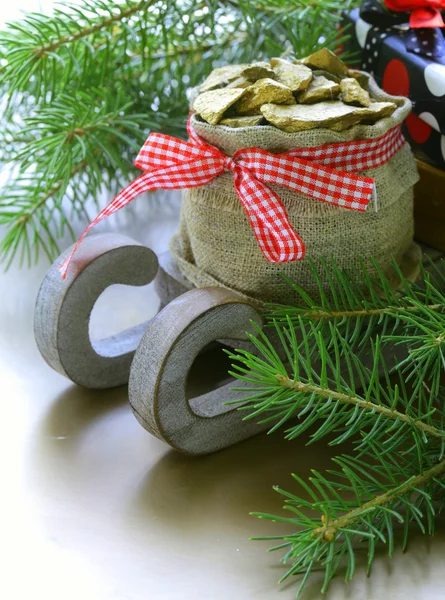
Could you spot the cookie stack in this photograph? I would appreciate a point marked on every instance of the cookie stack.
(317, 91)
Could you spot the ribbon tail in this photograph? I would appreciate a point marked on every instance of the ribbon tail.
(124, 197)
(267, 215)
(177, 176)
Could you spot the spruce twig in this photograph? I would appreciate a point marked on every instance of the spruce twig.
(308, 373)
(357, 401)
(327, 531)
(89, 30)
(329, 525)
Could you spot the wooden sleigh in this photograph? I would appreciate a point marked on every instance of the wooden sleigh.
(154, 357)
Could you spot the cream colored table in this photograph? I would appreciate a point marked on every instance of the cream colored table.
(94, 508)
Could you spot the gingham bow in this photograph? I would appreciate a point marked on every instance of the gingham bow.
(169, 163)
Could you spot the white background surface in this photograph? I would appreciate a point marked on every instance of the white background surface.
(94, 508)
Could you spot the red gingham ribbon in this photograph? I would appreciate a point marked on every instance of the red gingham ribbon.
(169, 163)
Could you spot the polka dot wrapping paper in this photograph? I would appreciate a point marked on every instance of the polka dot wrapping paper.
(405, 62)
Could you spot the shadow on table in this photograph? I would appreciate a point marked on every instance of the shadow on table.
(210, 497)
(78, 408)
(232, 482)
(205, 501)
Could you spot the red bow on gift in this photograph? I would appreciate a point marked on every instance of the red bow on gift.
(169, 163)
(424, 13)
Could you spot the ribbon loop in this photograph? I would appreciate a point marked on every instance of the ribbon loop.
(170, 163)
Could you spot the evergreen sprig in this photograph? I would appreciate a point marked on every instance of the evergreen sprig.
(360, 301)
(310, 371)
(310, 383)
(84, 86)
(329, 526)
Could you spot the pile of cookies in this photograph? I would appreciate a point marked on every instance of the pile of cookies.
(313, 92)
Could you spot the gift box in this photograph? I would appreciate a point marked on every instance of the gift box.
(405, 61)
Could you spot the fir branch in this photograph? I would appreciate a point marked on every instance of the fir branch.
(360, 402)
(424, 335)
(320, 314)
(363, 303)
(78, 137)
(359, 300)
(88, 30)
(306, 373)
(380, 495)
(322, 386)
(328, 530)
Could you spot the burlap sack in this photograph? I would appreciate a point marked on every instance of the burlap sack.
(215, 244)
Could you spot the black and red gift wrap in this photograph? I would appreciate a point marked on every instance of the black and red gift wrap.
(402, 44)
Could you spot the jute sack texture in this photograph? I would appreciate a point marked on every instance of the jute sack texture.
(215, 244)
